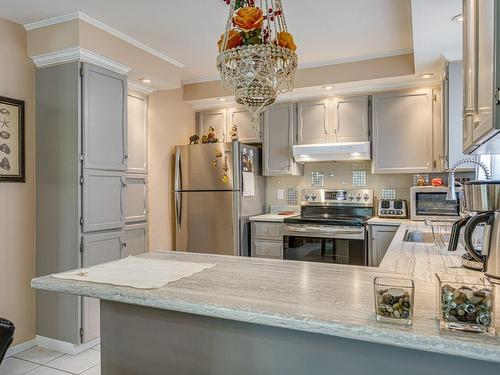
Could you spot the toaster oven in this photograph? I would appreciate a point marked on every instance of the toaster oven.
(429, 203)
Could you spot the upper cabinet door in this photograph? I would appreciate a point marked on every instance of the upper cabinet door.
(351, 119)
(242, 120)
(402, 132)
(278, 141)
(137, 133)
(215, 119)
(313, 122)
(484, 123)
(104, 119)
(103, 200)
(469, 72)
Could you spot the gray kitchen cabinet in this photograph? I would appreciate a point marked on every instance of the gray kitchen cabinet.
(403, 132)
(97, 249)
(215, 119)
(103, 200)
(242, 119)
(351, 119)
(469, 72)
(278, 139)
(137, 133)
(135, 240)
(81, 146)
(267, 240)
(104, 119)
(136, 198)
(313, 121)
(380, 238)
(481, 127)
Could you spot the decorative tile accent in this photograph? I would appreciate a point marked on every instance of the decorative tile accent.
(417, 176)
(358, 178)
(317, 179)
(389, 194)
(292, 196)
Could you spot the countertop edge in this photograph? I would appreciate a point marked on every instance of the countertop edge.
(441, 345)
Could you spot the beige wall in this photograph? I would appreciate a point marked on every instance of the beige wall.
(17, 200)
(171, 122)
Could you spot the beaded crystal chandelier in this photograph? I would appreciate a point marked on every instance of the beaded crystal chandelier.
(257, 58)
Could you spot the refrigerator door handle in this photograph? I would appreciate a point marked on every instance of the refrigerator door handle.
(178, 209)
(178, 170)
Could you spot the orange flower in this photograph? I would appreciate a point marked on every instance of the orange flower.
(248, 18)
(234, 40)
(285, 40)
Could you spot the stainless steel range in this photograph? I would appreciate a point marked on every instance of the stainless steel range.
(331, 227)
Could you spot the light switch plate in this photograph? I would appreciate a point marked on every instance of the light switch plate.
(281, 194)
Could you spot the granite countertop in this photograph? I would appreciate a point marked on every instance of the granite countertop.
(272, 217)
(328, 299)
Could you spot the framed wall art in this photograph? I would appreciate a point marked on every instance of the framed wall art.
(12, 157)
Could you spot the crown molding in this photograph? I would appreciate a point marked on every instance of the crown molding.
(140, 88)
(78, 54)
(94, 22)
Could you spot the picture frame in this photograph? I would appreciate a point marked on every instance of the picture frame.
(12, 152)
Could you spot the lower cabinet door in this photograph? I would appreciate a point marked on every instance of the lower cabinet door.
(136, 198)
(135, 240)
(103, 200)
(265, 249)
(97, 248)
(381, 237)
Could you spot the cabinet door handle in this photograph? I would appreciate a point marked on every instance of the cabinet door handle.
(468, 112)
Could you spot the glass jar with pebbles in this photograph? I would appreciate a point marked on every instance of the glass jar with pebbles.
(466, 303)
(394, 299)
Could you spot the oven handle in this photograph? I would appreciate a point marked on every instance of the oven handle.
(290, 231)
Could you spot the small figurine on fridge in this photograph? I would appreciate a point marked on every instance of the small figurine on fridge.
(194, 140)
(211, 135)
(234, 134)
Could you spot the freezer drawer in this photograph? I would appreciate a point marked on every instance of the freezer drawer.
(207, 222)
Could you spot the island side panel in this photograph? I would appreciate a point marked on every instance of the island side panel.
(147, 341)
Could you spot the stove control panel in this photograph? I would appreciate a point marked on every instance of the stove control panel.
(350, 197)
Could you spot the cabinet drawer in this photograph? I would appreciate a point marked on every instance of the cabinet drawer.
(264, 249)
(267, 231)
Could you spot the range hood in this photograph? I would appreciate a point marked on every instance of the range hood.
(332, 152)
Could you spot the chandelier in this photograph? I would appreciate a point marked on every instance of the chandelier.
(257, 58)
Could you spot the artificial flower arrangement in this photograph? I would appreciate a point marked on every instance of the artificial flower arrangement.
(248, 27)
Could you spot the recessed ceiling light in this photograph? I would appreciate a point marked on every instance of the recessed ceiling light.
(145, 80)
(458, 18)
(427, 75)
(329, 87)
(222, 99)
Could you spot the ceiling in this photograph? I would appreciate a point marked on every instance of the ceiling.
(326, 31)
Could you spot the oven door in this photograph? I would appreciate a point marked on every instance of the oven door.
(326, 245)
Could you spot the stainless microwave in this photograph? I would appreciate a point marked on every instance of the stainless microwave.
(429, 203)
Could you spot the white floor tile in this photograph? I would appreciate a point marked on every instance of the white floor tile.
(97, 347)
(14, 366)
(46, 371)
(93, 371)
(76, 364)
(39, 355)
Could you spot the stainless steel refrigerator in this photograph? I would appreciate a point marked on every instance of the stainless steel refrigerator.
(218, 186)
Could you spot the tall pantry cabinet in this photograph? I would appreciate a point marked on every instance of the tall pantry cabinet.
(82, 178)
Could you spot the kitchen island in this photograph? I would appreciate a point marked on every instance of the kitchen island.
(261, 316)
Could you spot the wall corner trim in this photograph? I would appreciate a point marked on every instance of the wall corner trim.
(94, 22)
(140, 88)
(75, 54)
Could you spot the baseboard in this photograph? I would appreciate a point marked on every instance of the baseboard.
(63, 346)
(13, 350)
